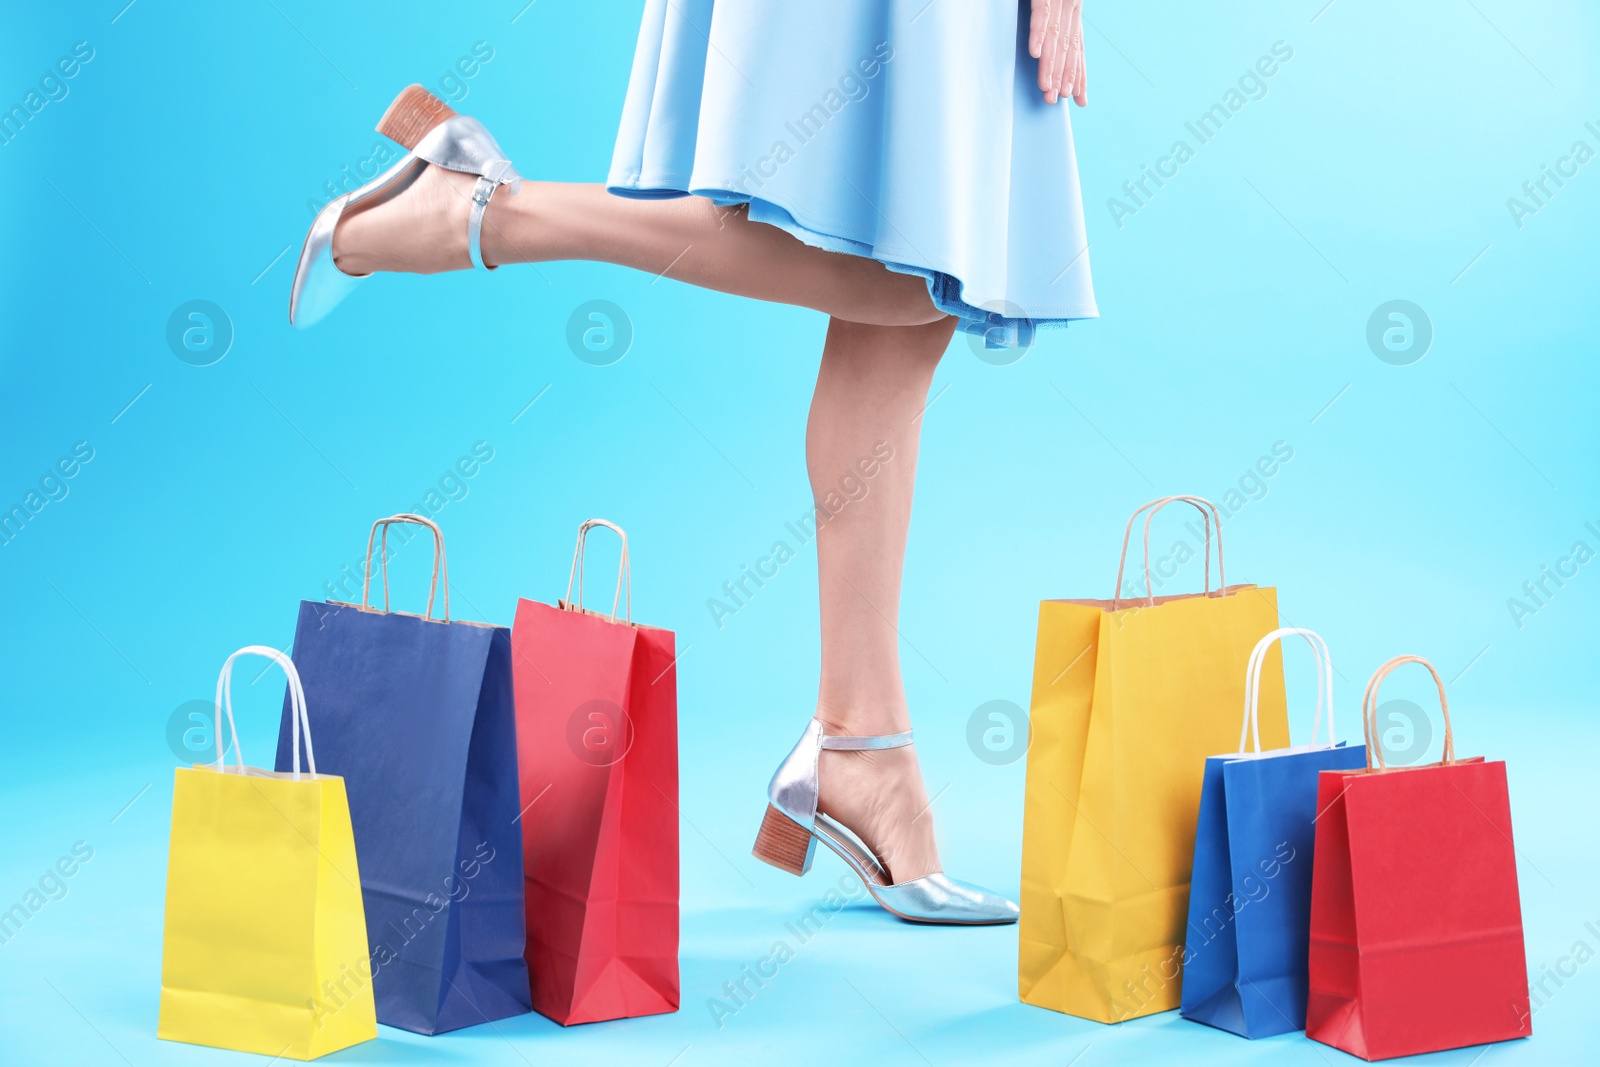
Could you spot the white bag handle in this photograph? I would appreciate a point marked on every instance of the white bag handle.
(624, 571)
(297, 701)
(1252, 684)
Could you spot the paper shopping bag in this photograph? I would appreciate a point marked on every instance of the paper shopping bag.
(597, 747)
(1416, 921)
(415, 714)
(264, 945)
(1244, 962)
(1129, 698)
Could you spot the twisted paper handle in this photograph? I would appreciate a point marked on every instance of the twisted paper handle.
(1369, 711)
(1252, 684)
(298, 724)
(624, 571)
(440, 563)
(1200, 504)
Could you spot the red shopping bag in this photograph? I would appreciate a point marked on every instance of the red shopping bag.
(1416, 924)
(597, 753)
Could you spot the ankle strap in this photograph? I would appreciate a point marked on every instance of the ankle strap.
(497, 173)
(852, 743)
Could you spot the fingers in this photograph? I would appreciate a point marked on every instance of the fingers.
(1049, 28)
(1055, 39)
(1038, 18)
(1060, 82)
(1078, 84)
(1071, 46)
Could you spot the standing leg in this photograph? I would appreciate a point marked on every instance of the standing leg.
(866, 416)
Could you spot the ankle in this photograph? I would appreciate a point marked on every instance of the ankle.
(525, 227)
(864, 719)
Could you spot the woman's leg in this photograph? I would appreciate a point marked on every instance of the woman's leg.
(689, 239)
(884, 341)
(866, 416)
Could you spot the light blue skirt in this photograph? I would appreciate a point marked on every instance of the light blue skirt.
(908, 131)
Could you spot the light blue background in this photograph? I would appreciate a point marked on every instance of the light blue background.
(1235, 302)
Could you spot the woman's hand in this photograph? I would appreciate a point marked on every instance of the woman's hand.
(1055, 39)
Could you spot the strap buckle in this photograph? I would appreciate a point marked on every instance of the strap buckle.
(497, 171)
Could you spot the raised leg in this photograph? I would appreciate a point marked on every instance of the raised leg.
(424, 230)
(861, 453)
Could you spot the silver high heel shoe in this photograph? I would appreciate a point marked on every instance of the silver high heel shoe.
(433, 133)
(793, 826)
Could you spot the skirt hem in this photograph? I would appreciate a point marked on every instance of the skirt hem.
(945, 287)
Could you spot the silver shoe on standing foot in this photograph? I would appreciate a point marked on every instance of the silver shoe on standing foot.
(793, 826)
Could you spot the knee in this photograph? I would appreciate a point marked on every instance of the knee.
(881, 297)
(919, 343)
(934, 335)
(897, 310)
(913, 305)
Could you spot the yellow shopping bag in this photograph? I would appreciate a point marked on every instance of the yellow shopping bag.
(265, 948)
(1129, 698)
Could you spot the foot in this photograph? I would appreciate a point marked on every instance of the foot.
(879, 795)
(422, 230)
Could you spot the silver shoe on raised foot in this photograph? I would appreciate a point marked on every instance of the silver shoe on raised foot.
(433, 133)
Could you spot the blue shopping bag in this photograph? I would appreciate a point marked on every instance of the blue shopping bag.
(416, 714)
(1244, 963)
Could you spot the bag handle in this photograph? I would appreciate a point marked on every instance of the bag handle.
(1252, 684)
(440, 563)
(298, 722)
(1200, 504)
(624, 571)
(1369, 711)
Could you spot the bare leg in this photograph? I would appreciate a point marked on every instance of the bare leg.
(865, 417)
(424, 230)
(884, 341)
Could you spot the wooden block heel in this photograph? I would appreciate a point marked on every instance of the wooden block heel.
(412, 114)
(783, 843)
